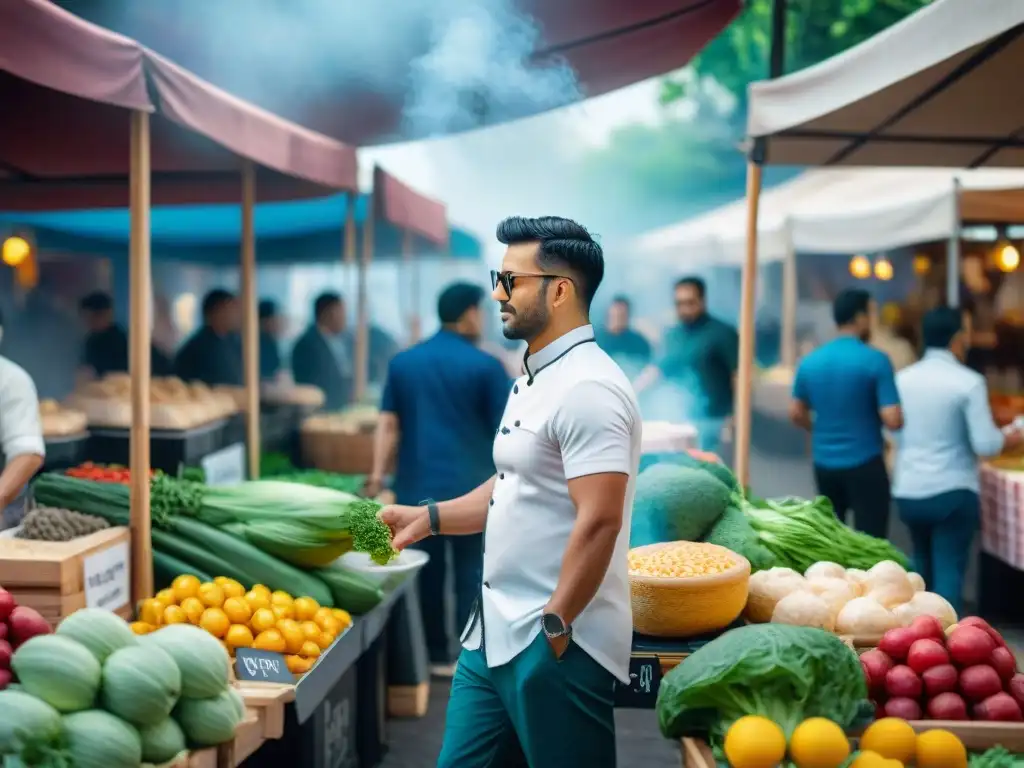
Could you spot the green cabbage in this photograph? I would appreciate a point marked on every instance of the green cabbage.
(675, 503)
(785, 673)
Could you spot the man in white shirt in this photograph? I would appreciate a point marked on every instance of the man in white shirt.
(552, 630)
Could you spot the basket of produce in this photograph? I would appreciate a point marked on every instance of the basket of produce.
(684, 588)
(340, 442)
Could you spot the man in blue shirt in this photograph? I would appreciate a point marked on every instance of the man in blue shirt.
(844, 393)
(948, 426)
(442, 404)
(623, 344)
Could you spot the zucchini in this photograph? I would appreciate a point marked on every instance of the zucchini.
(243, 556)
(166, 568)
(352, 591)
(199, 556)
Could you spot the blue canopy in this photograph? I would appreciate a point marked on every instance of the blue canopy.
(302, 231)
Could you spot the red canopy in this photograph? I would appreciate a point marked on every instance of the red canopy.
(408, 210)
(608, 43)
(66, 85)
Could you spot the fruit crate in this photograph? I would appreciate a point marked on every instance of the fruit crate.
(53, 576)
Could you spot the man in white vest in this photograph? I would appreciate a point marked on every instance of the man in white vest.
(552, 629)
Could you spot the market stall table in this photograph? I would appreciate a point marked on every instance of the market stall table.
(1001, 572)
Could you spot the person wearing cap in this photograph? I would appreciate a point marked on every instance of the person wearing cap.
(442, 403)
(213, 354)
(105, 349)
(270, 332)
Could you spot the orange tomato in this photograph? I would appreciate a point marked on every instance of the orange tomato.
(292, 633)
(141, 627)
(238, 610)
(231, 587)
(238, 636)
(193, 608)
(212, 595)
(309, 649)
(215, 621)
(173, 614)
(152, 612)
(305, 608)
(184, 586)
(262, 620)
(283, 610)
(269, 640)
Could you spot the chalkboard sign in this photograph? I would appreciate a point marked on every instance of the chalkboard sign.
(261, 666)
(644, 681)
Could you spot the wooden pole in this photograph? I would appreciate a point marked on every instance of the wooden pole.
(790, 301)
(348, 256)
(362, 346)
(139, 364)
(746, 362)
(250, 320)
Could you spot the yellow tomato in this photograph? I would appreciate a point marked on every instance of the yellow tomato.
(330, 625)
(184, 586)
(280, 597)
(269, 640)
(215, 622)
(940, 749)
(166, 596)
(193, 608)
(818, 743)
(869, 759)
(309, 649)
(152, 612)
(262, 620)
(292, 633)
(238, 610)
(754, 742)
(231, 587)
(325, 640)
(141, 627)
(283, 611)
(238, 636)
(343, 616)
(173, 614)
(212, 595)
(305, 608)
(297, 665)
(261, 589)
(311, 630)
(891, 738)
(257, 600)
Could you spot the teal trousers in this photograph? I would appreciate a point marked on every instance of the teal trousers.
(536, 711)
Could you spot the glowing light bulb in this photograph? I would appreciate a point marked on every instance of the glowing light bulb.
(883, 269)
(15, 251)
(860, 267)
(1008, 258)
(922, 264)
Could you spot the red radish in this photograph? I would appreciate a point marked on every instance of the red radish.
(5, 654)
(5, 678)
(879, 710)
(1003, 662)
(903, 708)
(1016, 688)
(998, 707)
(7, 604)
(941, 679)
(3, 631)
(980, 623)
(968, 646)
(26, 623)
(979, 682)
(925, 654)
(928, 627)
(896, 642)
(876, 664)
(947, 706)
(902, 681)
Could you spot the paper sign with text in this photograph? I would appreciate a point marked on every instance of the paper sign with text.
(261, 666)
(107, 577)
(226, 466)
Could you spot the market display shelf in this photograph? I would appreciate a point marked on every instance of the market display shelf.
(169, 448)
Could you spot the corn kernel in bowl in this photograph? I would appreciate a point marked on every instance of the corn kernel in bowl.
(680, 560)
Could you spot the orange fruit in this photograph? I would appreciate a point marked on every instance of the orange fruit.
(281, 597)
(309, 649)
(215, 621)
(262, 620)
(231, 587)
(283, 610)
(238, 610)
(238, 636)
(269, 640)
(940, 749)
(166, 596)
(184, 586)
(152, 612)
(330, 625)
(292, 633)
(343, 616)
(141, 627)
(173, 614)
(212, 595)
(305, 608)
(325, 640)
(311, 631)
(193, 608)
(296, 664)
(261, 589)
(322, 615)
(257, 600)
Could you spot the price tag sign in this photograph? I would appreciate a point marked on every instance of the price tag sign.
(226, 466)
(261, 666)
(107, 577)
(644, 681)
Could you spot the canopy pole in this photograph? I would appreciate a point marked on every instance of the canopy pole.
(411, 269)
(250, 320)
(745, 374)
(362, 346)
(789, 305)
(348, 254)
(953, 253)
(139, 362)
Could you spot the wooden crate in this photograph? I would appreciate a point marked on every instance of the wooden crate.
(697, 754)
(408, 700)
(50, 577)
(346, 453)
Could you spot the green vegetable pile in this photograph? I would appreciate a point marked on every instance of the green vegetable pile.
(337, 482)
(785, 673)
(996, 757)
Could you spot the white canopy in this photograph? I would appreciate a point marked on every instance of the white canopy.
(849, 210)
(937, 89)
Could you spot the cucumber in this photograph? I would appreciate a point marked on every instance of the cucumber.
(352, 591)
(200, 557)
(166, 568)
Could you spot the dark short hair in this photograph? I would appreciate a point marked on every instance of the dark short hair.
(940, 326)
(563, 245)
(456, 300)
(324, 302)
(623, 300)
(694, 282)
(267, 309)
(850, 303)
(97, 301)
(216, 299)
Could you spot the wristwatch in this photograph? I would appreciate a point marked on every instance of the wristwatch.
(554, 627)
(433, 516)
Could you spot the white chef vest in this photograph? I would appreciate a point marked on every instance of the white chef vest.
(573, 414)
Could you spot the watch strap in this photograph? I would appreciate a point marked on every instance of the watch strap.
(433, 516)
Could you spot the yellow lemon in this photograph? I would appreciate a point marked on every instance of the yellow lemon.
(193, 608)
(283, 610)
(173, 614)
(269, 640)
(309, 649)
(754, 742)
(292, 633)
(141, 627)
(342, 616)
(212, 595)
(238, 610)
(166, 596)
(257, 600)
(238, 636)
(892, 738)
(262, 620)
(818, 743)
(940, 749)
(184, 586)
(231, 587)
(152, 612)
(305, 608)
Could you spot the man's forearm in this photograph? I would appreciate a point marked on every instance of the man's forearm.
(16, 475)
(466, 514)
(587, 556)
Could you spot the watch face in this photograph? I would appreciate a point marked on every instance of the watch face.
(552, 624)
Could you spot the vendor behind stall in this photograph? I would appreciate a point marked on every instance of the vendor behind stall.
(21, 434)
(271, 324)
(320, 357)
(213, 355)
(106, 345)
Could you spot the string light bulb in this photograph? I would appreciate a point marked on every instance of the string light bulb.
(860, 267)
(15, 250)
(1007, 257)
(883, 269)
(922, 265)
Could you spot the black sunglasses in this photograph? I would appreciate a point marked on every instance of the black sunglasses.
(507, 279)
